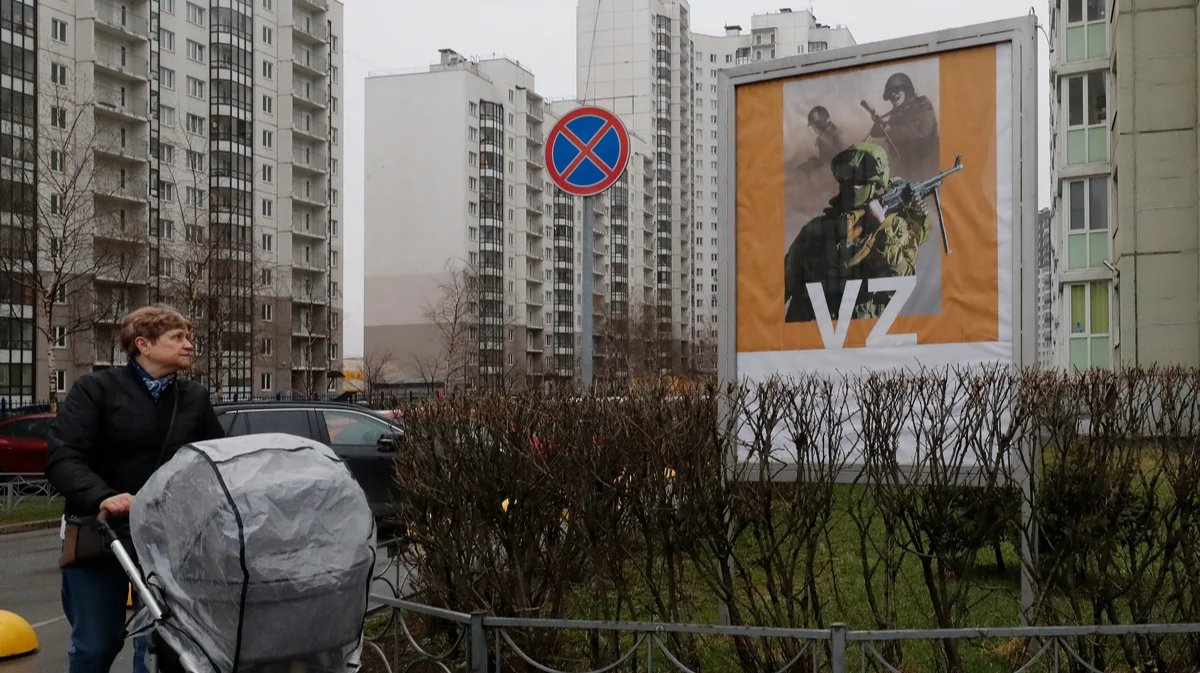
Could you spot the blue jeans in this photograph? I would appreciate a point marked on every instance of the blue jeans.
(93, 600)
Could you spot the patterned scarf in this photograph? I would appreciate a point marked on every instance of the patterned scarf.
(153, 385)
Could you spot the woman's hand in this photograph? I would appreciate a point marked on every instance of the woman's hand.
(117, 505)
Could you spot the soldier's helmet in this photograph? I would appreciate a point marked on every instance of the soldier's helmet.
(863, 163)
(818, 117)
(898, 82)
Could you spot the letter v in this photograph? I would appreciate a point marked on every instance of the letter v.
(834, 339)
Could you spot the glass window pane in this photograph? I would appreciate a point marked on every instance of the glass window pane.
(1078, 309)
(1097, 106)
(1096, 9)
(347, 428)
(1097, 248)
(1101, 354)
(1097, 40)
(1074, 10)
(1099, 308)
(1076, 43)
(1079, 354)
(1077, 251)
(1077, 198)
(1097, 144)
(1097, 203)
(1077, 147)
(1075, 101)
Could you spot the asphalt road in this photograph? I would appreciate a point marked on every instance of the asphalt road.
(30, 587)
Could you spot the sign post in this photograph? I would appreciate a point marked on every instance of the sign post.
(586, 153)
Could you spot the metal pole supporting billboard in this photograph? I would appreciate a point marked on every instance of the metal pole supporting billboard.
(588, 301)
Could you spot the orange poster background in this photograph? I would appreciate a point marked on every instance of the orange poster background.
(967, 121)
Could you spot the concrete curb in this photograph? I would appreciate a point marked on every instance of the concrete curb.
(29, 526)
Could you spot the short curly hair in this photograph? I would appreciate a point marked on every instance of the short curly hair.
(150, 322)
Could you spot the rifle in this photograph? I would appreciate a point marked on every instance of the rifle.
(907, 190)
(881, 122)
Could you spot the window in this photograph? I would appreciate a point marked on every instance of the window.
(195, 51)
(1088, 342)
(60, 337)
(268, 173)
(291, 421)
(268, 104)
(333, 197)
(166, 115)
(268, 347)
(60, 381)
(60, 295)
(333, 320)
(268, 312)
(166, 153)
(333, 228)
(167, 6)
(268, 242)
(472, 158)
(333, 135)
(1087, 30)
(195, 87)
(58, 74)
(266, 4)
(195, 14)
(265, 278)
(333, 259)
(166, 39)
(268, 139)
(264, 382)
(56, 204)
(333, 351)
(166, 229)
(194, 197)
(268, 208)
(56, 161)
(268, 35)
(195, 161)
(333, 73)
(166, 190)
(58, 30)
(167, 77)
(333, 166)
(193, 233)
(268, 70)
(58, 117)
(1087, 114)
(351, 428)
(1087, 222)
(195, 124)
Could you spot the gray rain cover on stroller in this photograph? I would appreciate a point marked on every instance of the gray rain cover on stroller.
(261, 548)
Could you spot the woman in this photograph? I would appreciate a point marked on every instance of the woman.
(113, 430)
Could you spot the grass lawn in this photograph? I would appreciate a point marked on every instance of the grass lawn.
(31, 509)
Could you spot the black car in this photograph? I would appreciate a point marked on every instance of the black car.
(366, 442)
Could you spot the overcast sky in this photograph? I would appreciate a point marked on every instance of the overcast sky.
(540, 34)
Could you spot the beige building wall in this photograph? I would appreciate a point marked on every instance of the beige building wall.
(1156, 237)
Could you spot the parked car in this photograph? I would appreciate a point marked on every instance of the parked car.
(366, 442)
(23, 443)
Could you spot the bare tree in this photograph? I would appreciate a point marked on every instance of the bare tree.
(454, 315)
(61, 240)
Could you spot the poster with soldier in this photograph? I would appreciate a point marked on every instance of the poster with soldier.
(843, 151)
(874, 208)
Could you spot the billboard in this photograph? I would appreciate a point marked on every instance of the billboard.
(879, 204)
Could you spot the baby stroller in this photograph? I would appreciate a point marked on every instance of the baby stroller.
(256, 555)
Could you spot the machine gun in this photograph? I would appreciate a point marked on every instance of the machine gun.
(900, 191)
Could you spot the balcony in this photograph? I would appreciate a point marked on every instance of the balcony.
(118, 103)
(313, 229)
(131, 191)
(313, 5)
(313, 162)
(314, 129)
(312, 31)
(130, 150)
(119, 20)
(119, 61)
(315, 196)
(313, 63)
(303, 296)
(315, 97)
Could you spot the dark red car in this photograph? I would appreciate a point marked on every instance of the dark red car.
(23, 443)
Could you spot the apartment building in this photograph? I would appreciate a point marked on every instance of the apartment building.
(473, 258)
(772, 35)
(1124, 167)
(209, 135)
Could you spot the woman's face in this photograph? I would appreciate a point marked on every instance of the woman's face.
(171, 351)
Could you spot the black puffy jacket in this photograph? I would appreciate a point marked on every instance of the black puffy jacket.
(110, 435)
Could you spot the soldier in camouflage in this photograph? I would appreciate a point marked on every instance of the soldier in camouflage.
(853, 239)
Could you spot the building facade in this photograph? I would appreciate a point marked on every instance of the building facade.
(773, 35)
(473, 258)
(1124, 174)
(208, 137)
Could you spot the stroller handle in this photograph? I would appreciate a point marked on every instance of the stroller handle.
(131, 569)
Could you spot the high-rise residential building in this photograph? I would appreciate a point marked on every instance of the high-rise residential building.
(771, 36)
(1124, 167)
(473, 257)
(208, 133)
(635, 59)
